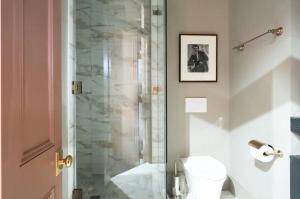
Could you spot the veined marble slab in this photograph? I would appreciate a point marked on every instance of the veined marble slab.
(146, 181)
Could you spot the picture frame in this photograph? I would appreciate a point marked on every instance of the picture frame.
(198, 57)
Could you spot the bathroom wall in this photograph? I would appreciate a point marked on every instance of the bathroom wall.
(263, 85)
(257, 91)
(203, 133)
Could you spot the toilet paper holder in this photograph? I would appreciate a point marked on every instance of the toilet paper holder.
(257, 144)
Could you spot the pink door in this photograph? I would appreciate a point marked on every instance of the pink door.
(30, 98)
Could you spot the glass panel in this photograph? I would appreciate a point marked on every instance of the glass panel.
(120, 115)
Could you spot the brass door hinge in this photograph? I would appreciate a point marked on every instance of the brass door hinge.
(76, 87)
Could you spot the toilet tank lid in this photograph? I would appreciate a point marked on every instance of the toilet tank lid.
(205, 166)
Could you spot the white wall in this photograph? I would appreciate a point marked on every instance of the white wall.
(207, 133)
(261, 88)
(295, 32)
(295, 70)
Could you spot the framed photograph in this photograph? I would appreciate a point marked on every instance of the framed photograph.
(198, 57)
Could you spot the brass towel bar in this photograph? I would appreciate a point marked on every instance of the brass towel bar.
(276, 31)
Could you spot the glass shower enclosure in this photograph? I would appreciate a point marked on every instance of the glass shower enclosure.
(120, 110)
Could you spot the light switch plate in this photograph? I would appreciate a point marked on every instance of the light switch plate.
(195, 105)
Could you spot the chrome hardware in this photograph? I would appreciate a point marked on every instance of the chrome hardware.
(61, 162)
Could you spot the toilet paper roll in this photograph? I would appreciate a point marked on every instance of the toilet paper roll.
(259, 153)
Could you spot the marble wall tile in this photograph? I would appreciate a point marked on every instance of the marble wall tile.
(68, 101)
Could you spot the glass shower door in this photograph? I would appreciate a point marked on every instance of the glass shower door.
(120, 117)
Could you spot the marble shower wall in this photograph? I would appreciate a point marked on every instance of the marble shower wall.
(120, 120)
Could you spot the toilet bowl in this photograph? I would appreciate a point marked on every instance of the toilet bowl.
(205, 177)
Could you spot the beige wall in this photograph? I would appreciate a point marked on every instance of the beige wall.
(205, 133)
(255, 103)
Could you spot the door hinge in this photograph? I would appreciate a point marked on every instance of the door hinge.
(76, 87)
(157, 12)
(77, 194)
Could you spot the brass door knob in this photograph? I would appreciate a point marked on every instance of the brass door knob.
(67, 161)
(61, 162)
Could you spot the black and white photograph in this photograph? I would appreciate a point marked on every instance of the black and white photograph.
(198, 58)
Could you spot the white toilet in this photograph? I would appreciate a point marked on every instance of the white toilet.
(205, 177)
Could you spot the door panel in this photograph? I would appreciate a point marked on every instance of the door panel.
(31, 98)
(36, 35)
